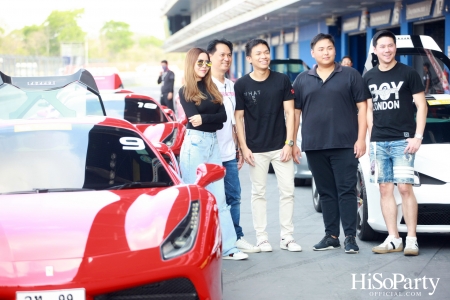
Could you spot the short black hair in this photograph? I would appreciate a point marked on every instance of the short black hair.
(382, 33)
(211, 48)
(427, 64)
(253, 43)
(347, 56)
(164, 62)
(321, 36)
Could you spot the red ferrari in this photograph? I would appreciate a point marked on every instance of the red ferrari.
(90, 210)
(155, 121)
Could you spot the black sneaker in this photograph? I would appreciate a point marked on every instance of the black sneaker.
(327, 243)
(350, 245)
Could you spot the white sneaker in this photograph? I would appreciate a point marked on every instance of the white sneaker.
(411, 247)
(390, 244)
(290, 245)
(264, 246)
(236, 256)
(245, 246)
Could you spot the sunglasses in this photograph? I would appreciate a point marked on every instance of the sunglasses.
(202, 62)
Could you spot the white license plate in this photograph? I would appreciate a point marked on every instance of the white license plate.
(70, 294)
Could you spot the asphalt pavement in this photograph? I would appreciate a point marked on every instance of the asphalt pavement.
(332, 274)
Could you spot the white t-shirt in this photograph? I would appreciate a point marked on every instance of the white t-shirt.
(225, 135)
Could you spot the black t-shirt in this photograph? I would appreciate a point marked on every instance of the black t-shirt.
(213, 114)
(329, 111)
(262, 103)
(392, 98)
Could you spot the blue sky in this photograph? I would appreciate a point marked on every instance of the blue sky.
(144, 16)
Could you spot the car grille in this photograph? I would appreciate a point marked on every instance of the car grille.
(174, 289)
(432, 214)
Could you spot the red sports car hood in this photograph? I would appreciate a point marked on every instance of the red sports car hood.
(52, 226)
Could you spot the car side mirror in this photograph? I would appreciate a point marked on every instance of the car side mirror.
(170, 113)
(168, 156)
(208, 173)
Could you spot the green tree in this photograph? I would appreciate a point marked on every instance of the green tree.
(35, 40)
(146, 41)
(118, 36)
(13, 43)
(62, 27)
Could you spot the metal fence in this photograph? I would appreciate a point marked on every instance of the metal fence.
(16, 65)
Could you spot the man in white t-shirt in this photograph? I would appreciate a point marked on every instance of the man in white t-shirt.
(220, 52)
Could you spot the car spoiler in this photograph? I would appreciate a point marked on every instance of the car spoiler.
(51, 82)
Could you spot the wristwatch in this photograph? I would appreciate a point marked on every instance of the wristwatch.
(418, 136)
(289, 142)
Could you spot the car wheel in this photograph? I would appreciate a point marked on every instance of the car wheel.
(315, 196)
(299, 182)
(363, 229)
(271, 170)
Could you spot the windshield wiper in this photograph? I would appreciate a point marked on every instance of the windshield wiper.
(137, 184)
(40, 191)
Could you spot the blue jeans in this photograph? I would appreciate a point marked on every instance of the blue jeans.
(233, 194)
(202, 147)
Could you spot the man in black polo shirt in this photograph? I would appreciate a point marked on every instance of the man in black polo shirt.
(333, 101)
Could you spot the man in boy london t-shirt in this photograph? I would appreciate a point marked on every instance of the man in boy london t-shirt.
(264, 99)
(395, 138)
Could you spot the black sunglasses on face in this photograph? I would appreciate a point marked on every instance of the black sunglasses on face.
(202, 62)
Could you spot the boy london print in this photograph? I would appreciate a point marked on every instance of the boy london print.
(384, 92)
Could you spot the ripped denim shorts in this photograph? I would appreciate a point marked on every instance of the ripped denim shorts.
(389, 162)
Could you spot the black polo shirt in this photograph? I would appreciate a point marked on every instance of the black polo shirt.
(329, 112)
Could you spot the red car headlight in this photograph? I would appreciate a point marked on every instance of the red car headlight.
(182, 238)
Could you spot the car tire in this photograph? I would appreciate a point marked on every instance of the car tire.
(299, 182)
(271, 170)
(315, 196)
(363, 229)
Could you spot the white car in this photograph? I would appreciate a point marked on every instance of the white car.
(432, 162)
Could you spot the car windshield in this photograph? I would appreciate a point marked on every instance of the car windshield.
(52, 156)
(67, 102)
(431, 65)
(134, 110)
(289, 67)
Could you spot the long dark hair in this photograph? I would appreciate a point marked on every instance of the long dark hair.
(191, 90)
